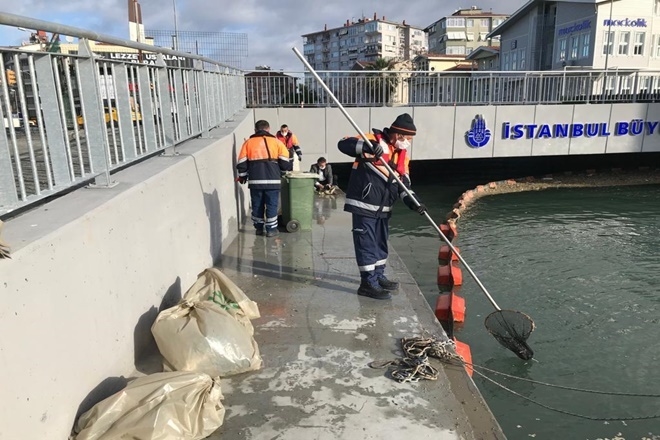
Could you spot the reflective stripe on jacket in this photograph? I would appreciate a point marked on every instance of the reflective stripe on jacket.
(262, 160)
(371, 190)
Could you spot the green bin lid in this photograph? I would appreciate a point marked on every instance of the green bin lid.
(301, 175)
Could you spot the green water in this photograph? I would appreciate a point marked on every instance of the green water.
(585, 265)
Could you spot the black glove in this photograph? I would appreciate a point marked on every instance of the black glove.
(328, 187)
(410, 203)
(299, 156)
(242, 179)
(373, 147)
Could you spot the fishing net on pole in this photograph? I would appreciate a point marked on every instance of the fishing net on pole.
(511, 329)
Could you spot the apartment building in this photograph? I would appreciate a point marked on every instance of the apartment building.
(599, 34)
(463, 31)
(363, 40)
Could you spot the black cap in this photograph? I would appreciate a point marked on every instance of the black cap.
(404, 124)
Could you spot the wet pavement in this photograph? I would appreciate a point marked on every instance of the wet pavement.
(317, 337)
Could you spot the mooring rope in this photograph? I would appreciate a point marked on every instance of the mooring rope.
(415, 366)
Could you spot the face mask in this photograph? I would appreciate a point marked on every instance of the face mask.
(284, 133)
(321, 167)
(403, 145)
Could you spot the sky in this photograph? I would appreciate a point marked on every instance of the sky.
(273, 27)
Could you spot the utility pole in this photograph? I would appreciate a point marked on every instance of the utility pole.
(176, 30)
(607, 53)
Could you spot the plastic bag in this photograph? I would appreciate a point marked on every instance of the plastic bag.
(5, 251)
(212, 281)
(208, 331)
(161, 406)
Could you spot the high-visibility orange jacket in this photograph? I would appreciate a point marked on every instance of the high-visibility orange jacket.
(262, 160)
(291, 142)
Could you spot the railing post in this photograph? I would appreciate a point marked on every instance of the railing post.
(147, 108)
(166, 111)
(58, 153)
(197, 100)
(491, 88)
(8, 193)
(91, 105)
(634, 88)
(204, 107)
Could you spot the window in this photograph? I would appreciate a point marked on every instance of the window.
(522, 59)
(485, 22)
(584, 43)
(456, 50)
(561, 53)
(505, 63)
(482, 36)
(608, 43)
(640, 37)
(455, 22)
(468, 51)
(624, 42)
(470, 36)
(470, 22)
(657, 45)
(657, 7)
(514, 60)
(498, 21)
(575, 45)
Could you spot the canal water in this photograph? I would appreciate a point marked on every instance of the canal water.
(584, 264)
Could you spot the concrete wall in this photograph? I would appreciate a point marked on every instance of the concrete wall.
(90, 270)
(441, 131)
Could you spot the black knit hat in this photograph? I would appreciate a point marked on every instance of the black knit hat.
(404, 124)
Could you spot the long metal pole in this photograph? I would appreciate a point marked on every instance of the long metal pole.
(389, 169)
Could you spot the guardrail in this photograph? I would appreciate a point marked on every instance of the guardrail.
(72, 118)
(418, 88)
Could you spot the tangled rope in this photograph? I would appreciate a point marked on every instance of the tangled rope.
(414, 365)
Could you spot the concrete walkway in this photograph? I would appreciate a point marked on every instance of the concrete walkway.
(317, 336)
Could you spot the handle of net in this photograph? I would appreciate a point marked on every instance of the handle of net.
(398, 181)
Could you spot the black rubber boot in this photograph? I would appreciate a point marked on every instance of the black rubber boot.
(373, 292)
(387, 284)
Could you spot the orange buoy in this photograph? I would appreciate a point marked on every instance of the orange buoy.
(449, 230)
(450, 306)
(456, 274)
(463, 350)
(445, 253)
(444, 276)
(450, 275)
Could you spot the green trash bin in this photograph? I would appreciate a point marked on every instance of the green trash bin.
(298, 201)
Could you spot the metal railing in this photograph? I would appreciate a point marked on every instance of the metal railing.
(418, 88)
(71, 118)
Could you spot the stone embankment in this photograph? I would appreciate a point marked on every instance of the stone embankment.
(584, 179)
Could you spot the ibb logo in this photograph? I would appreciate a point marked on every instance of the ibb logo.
(478, 136)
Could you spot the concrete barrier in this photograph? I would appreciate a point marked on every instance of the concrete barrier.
(90, 271)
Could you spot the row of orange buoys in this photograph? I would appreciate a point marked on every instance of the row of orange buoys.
(450, 306)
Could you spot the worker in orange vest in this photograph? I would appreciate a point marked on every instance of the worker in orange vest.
(261, 162)
(291, 141)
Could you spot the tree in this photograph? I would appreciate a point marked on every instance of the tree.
(380, 84)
